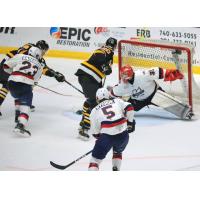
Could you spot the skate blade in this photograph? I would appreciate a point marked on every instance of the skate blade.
(83, 138)
(21, 133)
(32, 109)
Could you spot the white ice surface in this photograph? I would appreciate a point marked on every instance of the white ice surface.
(160, 142)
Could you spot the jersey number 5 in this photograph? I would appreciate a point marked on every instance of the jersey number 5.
(107, 112)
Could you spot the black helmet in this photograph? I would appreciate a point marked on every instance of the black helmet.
(41, 44)
(111, 42)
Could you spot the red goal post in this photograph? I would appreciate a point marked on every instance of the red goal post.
(149, 53)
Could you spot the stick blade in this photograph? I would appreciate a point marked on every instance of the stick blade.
(61, 167)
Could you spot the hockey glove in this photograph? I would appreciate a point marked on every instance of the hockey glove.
(107, 70)
(59, 77)
(172, 75)
(48, 72)
(131, 126)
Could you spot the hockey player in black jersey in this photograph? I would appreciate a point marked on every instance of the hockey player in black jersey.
(41, 44)
(90, 75)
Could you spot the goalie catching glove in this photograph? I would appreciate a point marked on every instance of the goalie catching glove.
(172, 75)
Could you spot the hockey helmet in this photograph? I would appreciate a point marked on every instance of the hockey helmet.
(43, 45)
(35, 52)
(112, 42)
(126, 73)
(102, 93)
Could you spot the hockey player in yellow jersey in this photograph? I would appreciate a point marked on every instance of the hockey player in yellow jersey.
(90, 75)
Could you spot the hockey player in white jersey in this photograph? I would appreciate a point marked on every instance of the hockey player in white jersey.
(141, 88)
(111, 122)
(25, 71)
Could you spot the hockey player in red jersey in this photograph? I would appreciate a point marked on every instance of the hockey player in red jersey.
(44, 47)
(90, 75)
(25, 71)
(141, 88)
(111, 122)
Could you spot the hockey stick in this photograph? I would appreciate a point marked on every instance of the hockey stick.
(74, 87)
(62, 167)
(78, 112)
(66, 95)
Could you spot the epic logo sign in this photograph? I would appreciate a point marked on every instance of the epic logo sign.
(7, 30)
(70, 33)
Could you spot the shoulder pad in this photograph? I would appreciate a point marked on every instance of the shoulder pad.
(28, 46)
(99, 51)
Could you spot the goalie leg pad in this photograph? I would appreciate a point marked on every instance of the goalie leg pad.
(172, 105)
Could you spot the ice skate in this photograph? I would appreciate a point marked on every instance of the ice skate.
(19, 129)
(32, 108)
(115, 168)
(189, 115)
(83, 133)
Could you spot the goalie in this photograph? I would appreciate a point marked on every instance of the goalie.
(141, 88)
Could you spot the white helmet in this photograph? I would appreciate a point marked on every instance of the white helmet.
(102, 93)
(35, 52)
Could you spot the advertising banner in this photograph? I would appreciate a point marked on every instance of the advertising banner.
(80, 40)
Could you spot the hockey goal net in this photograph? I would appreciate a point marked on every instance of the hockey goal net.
(147, 54)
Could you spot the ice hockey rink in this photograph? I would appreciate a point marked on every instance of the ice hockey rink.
(160, 142)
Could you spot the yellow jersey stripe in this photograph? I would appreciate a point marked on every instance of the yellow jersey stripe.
(93, 68)
(86, 114)
(87, 121)
(24, 51)
(2, 96)
(4, 90)
(44, 71)
(10, 54)
(86, 108)
(99, 51)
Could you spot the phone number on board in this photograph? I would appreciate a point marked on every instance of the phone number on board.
(178, 34)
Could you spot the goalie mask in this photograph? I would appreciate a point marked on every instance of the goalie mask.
(101, 94)
(126, 73)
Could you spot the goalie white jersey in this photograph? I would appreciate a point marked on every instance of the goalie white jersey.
(143, 84)
(111, 116)
(23, 68)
